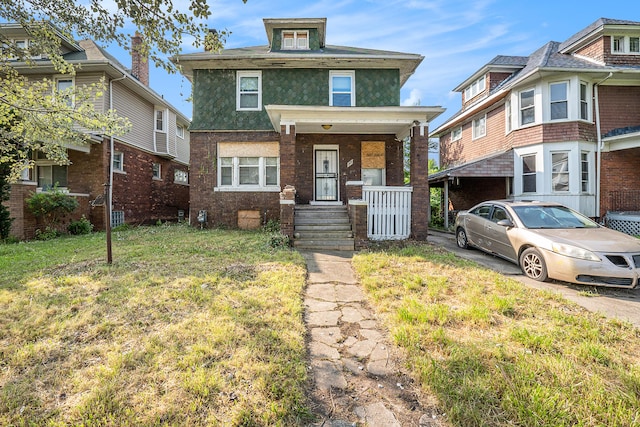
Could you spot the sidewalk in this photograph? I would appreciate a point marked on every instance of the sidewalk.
(358, 377)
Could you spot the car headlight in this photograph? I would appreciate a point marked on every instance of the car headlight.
(573, 252)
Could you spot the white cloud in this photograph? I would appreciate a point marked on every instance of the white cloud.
(414, 98)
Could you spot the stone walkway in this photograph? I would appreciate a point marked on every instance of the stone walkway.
(358, 377)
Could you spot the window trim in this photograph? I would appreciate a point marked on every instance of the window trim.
(567, 172)
(239, 76)
(121, 156)
(458, 131)
(585, 159)
(295, 39)
(625, 48)
(474, 134)
(59, 78)
(475, 88)
(534, 173)
(156, 176)
(235, 175)
(521, 109)
(508, 124)
(584, 101)
(343, 73)
(180, 131)
(164, 120)
(177, 177)
(565, 100)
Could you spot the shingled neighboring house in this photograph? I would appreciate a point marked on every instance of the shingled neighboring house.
(150, 179)
(321, 122)
(562, 124)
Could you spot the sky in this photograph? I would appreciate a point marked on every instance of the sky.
(456, 38)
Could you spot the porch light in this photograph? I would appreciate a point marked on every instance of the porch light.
(326, 127)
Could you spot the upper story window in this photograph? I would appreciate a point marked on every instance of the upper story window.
(249, 91)
(527, 107)
(161, 121)
(342, 88)
(295, 40)
(64, 86)
(456, 133)
(584, 101)
(118, 162)
(558, 100)
(480, 127)
(179, 131)
(625, 44)
(475, 88)
(507, 116)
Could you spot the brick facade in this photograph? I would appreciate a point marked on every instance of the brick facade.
(620, 173)
(619, 107)
(420, 199)
(471, 191)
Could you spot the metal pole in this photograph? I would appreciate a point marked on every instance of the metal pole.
(107, 221)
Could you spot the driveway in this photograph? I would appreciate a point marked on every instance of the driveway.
(622, 304)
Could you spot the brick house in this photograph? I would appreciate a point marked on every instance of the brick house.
(562, 124)
(321, 122)
(150, 176)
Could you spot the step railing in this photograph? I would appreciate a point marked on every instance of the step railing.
(388, 213)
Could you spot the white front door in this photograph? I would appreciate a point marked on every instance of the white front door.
(326, 175)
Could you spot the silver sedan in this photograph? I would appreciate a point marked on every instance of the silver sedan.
(551, 241)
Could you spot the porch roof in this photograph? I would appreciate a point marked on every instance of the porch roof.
(394, 120)
(621, 139)
(494, 166)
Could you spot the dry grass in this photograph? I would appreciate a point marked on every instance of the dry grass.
(187, 327)
(496, 353)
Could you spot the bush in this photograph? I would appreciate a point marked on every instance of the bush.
(279, 241)
(47, 234)
(51, 206)
(5, 218)
(81, 226)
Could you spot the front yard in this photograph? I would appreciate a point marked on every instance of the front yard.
(205, 327)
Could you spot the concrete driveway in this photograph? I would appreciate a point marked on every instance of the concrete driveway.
(622, 304)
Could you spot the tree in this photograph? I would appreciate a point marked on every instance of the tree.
(35, 115)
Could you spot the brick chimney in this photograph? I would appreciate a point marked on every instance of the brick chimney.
(139, 61)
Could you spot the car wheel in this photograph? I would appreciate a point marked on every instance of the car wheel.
(461, 238)
(533, 265)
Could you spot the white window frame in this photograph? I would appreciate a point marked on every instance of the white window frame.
(156, 171)
(479, 127)
(566, 172)
(180, 176)
(475, 88)
(584, 102)
(118, 157)
(534, 173)
(162, 120)
(508, 125)
(249, 74)
(179, 131)
(621, 45)
(585, 163)
(565, 100)
(295, 39)
(235, 175)
(63, 78)
(522, 109)
(456, 134)
(343, 73)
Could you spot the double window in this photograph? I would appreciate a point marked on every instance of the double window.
(480, 127)
(475, 88)
(248, 172)
(249, 91)
(295, 40)
(625, 44)
(342, 88)
(48, 173)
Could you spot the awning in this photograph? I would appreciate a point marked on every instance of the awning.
(494, 166)
(393, 120)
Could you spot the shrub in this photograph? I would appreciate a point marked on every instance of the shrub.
(47, 234)
(51, 206)
(5, 218)
(279, 241)
(81, 226)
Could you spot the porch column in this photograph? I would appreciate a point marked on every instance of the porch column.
(420, 201)
(287, 154)
(287, 211)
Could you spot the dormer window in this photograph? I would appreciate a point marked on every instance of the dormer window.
(475, 88)
(625, 44)
(295, 40)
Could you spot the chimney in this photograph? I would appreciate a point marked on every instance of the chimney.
(139, 61)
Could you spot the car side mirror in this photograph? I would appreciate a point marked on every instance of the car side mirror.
(505, 223)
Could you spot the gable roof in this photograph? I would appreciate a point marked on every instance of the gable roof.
(588, 34)
(319, 24)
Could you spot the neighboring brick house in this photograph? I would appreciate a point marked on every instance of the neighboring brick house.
(301, 114)
(150, 163)
(562, 124)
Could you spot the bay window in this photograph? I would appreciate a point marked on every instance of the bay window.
(558, 100)
(529, 173)
(560, 171)
(527, 107)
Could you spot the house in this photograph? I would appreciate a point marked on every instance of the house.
(149, 180)
(298, 123)
(562, 124)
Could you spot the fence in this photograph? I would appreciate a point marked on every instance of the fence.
(388, 213)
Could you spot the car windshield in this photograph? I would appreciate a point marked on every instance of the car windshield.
(552, 217)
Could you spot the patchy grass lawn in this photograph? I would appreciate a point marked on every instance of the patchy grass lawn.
(187, 327)
(496, 353)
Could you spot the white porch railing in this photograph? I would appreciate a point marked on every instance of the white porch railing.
(388, 213)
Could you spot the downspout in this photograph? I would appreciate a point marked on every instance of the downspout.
(599, 141)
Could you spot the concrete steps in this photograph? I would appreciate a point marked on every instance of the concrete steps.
(322, 228)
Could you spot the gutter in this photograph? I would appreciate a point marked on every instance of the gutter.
(599, 142)
(124, 76)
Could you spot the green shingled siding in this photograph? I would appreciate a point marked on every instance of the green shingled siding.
(214, 95)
